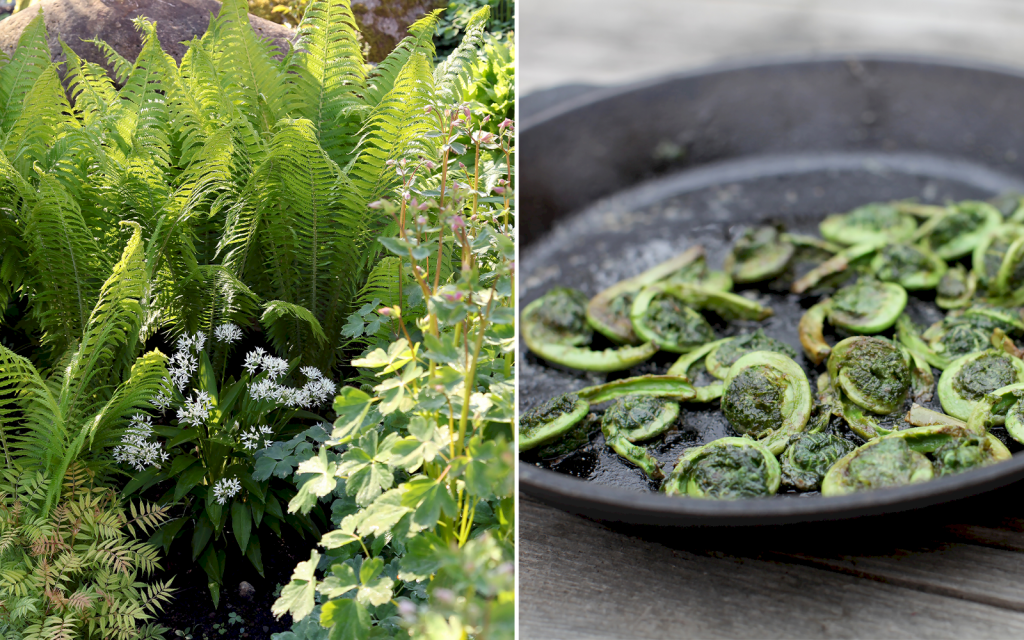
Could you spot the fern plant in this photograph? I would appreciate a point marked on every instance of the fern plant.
(249, 175)
(76, 570)
(78, 410)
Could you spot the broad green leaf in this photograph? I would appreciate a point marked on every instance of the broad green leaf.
(342, 580)
(297, 597)
(376, 592)
(383, 514)
(425, 553)
(241, 524)
(347, 620)
(429, 498)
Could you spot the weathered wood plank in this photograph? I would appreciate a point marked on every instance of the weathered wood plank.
(964, 571)
(578, 579)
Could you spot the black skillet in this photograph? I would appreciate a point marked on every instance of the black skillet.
(612, 181)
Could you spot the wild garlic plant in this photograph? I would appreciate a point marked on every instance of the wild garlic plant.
(213, 425)
(418, 466)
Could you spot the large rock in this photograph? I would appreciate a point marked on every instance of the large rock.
(385, 22)
(177, 21)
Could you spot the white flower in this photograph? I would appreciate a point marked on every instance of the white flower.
(312, 373)
(136, 449)
(227, 333)
(275, 367)
(194, 342)
(251, 438)
(197, 410)
(182, 365)
(162, 401)
(320, 390)
(254, 360)
(226, 488)
(265, 389)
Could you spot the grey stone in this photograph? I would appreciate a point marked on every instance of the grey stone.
(111, 20)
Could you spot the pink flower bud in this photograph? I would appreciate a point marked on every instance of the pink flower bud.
(406, 608)
(462, 166)
(421, 220)
(385, 311)
(469, 114)
(439, 388)
(486, 119)
(429, 165)
(506, 124)
(446, 596)
(413, 203)
(377, 204)
(428, 109)
(423, 206)
(499, 190)
(457, 223)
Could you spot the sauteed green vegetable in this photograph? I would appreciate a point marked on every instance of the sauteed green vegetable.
(849, 411)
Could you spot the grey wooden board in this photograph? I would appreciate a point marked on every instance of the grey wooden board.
(578, 579)
(614, 42)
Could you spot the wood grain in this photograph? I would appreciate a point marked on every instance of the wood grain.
(579, 579)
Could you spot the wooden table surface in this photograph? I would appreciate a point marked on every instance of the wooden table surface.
(951, 571)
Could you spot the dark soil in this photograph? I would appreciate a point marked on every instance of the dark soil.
(192, 605)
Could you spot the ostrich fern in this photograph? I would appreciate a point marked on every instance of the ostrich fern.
(248, 175)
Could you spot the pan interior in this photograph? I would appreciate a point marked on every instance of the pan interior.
(621, 236)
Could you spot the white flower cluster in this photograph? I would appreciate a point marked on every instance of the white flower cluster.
(315, 392)
(136, 448)
(192, 343)
(227, 333)
(197, 410)
(226, 488)
(251, 438)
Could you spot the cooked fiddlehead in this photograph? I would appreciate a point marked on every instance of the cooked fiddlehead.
(910, 456)
(665, 314)
(761, 253)
(635, 418)
(955, 232)
(968, 379)
(551, 420)
(670, 387)
(808, 458)
(608, 311)
(998, 260)
(871, 223)
(554, 327)
(868, 306)
(767, 397)
(726, 469)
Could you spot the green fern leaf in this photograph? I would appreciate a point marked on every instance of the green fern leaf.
(332, 72)
(30, 59)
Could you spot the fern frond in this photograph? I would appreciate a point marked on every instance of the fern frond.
(122, 68)
(248, 63)
(332, 73)
(30, 59)
(447, 74)
(44, 116)
(91, 89)
(144, 97)
(63, 254)
(419, 42)
(395, 129)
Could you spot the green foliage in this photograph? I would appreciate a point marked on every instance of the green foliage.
(491, 84)
(248, 175)
(75, 571)
(223, 423)
(457, 16)
(75, 411)
(419, 475)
